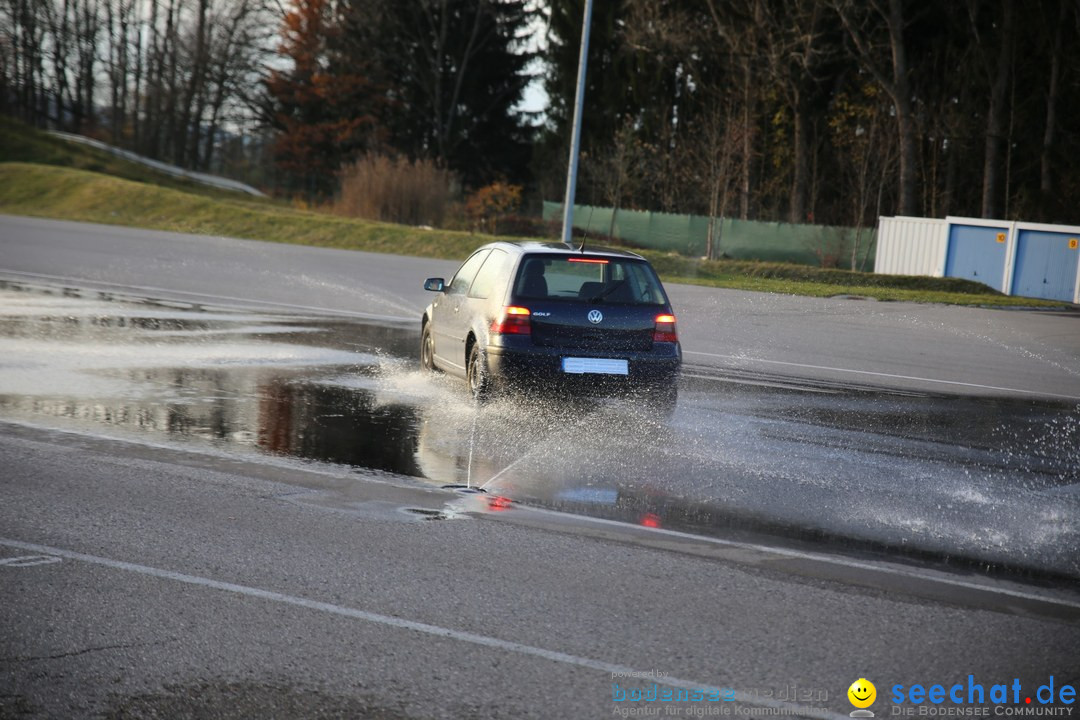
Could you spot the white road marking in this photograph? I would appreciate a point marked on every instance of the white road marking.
(81, 282)
(881, 374)
(760, 383)
(825, 559)
(29, 561)
(373, 316)
(426, 628)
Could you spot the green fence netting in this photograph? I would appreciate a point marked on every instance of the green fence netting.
(740, 239)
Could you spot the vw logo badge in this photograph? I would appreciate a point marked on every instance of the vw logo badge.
(595, 316)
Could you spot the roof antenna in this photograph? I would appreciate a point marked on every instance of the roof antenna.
(585, 234)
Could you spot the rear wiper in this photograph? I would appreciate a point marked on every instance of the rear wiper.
(607, 291)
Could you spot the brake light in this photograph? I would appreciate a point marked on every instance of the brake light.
(665, 329)
(596, 261)
(512, 321)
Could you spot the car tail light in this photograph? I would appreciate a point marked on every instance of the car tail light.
(665, 329)
(594, 261)
(512, 320)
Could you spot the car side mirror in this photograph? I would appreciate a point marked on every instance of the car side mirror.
(434, 284)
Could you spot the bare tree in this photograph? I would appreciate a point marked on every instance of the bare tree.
(861, 20)
(163, 77)
(997, 63)
(719, 143)
(27, 32)
(119, 24)
(192, 95)
(446, 48)
(236, 61)
(739, 28)
(1046, 178)
(796, 48)
(617, 171)
(58, 19)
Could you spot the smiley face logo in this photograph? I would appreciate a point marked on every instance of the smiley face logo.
(862, 693)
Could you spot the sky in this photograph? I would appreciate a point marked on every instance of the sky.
(536, 98)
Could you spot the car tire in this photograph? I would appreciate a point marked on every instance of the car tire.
(427, 349)
(477, 375)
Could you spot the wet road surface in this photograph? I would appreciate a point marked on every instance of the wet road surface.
(227, 490)
(971, 482)
(921, 348)
(139, 581)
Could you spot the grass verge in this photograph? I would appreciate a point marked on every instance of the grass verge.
(80, 195)
(62, 193)
(21, 143)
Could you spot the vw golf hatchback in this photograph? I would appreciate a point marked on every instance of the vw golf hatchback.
(537, 316)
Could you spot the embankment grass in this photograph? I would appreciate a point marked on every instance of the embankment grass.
(54, 191)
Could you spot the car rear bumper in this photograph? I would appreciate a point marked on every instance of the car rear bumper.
(543, 367)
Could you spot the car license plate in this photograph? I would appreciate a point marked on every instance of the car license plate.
(598, 366)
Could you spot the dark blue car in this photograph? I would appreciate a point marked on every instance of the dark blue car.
(537, 316)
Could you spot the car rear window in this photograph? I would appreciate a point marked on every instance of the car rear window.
(610, 280)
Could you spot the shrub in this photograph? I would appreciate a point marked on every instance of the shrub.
(526, 226)
(396, 190)
(491, 202)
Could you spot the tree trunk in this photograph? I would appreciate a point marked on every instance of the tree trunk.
(137, 90)
(463, 66)
(747, 144)
(800, 184)
(714, 203)
(113, 71)
(80, 76)
(952, 163)
(183, 129)
(905, 118)
(61, 40)
(995, 125)
(153, 85)
(1046, 179)
(123, 56)
(172, 84)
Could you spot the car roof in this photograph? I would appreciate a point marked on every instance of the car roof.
(558, 248)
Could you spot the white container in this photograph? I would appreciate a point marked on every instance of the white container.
(911, 246)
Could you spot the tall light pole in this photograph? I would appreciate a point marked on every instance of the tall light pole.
(575, 137)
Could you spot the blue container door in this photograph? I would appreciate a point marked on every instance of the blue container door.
(1045, 265)
(977, 253)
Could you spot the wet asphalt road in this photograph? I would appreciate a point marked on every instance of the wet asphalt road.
(191, 586)
(221, 556)
(968, 351)
(971, 481)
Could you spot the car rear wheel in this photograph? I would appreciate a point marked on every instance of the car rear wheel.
(427, 349)
(477, 375)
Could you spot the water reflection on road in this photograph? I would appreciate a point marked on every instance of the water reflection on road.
(994, 482)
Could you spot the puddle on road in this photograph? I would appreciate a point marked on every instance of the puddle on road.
(991, 480)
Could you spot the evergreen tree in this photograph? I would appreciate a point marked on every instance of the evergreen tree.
(454, 72)
(325, 111)
(609, 74)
